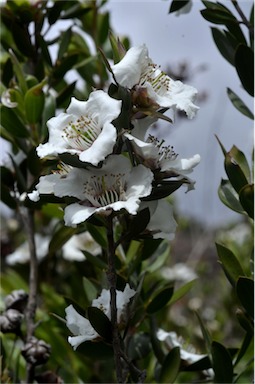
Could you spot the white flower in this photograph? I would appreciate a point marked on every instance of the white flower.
(115, 186)
(157, 156)
(85, 130)
(172, 340)
(137, 71)
(72, 250)
(22, 255)
(180, 272)
(81, 327)
(162, 224)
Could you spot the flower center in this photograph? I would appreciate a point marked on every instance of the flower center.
(81, 134)
(159, 81)
(63, 169)
(165, 152)
(106, 189)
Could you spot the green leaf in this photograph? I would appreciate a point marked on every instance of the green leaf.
(237, 168)
(223, 45)
(219, 17)
(229, 196)
(60, 237)
(65, 94)
(160, 257)
(139, 346)
(222, 363)
(64, 42)
(94, 260)
(245, 293)
(6, 198)
(65, 65)
(99, 234)
(171, 366)
(230, 264)
(103, 27)
(239, 104)
(11, 122)
(100, 323)
(176, 5)
(89, 289)
(48, 112)
(164, 189)
(139, 222)
(205, 332)
(160, 300)
(180, 292)
(118, 50)
(246, 196)
(244, 63)
(34, 103)
(245, 321)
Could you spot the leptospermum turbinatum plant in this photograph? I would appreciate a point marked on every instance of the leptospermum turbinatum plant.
(113, 173)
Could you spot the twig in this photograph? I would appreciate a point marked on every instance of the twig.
(243, 17)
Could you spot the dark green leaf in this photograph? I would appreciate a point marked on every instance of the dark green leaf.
(245, 293)
(33, 162)
(21, 178)
(171, 366)
(76, 10)
(72, 160)
(149, 247)
(89, 289)
(11, 122)
(239, 157)
(199, 365)
(22, 39)
(239, 104)
(6, 198)
(244, 62)
(76, 306)
(245, 321)
(48, 112)
(160, 300)
(206, 334)
(139, 346)
(7, 72)
(223, 45)
(99, 234)
(64, 42)
(229, 196)
(246, 196)
(180, 292)
(222, 364)
(45, 51)
(164, 189)
(139, 222)
(54, 12)
(60, 237)
(176, 5)
(219, 17)
(247, 342)
(230, 264)
(94, 260)
(64, 96)
(103, 27)
(100, 322)
(34, 103)
(235, 174)
(65, 65)
(98, 350)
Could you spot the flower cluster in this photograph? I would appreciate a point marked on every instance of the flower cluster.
(117, 168)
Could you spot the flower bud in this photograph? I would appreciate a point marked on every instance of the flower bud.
(36, 351)
(17, 299)
(10, 321)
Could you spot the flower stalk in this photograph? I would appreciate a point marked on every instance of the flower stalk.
(112, 280)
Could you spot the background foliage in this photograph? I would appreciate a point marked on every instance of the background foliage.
(213, 313)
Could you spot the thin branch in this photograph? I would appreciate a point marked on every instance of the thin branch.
(112, 279)
(243, 17)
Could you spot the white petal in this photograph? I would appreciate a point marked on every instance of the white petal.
(77, 213)
(182, 166)
(34, 196)
(101, 147)
(123, 299)
(128, 71)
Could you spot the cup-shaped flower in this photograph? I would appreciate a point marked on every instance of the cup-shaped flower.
(81, 327)
(85, 129)
(115, 186)
(137, 72)
(162, 224)
(157, 156)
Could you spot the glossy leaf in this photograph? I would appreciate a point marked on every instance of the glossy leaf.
(237, 168)
(171, 366)
(89, 289)
(160, 300)
(230, 264)
(164, 189)
(229, 196)
(11, 122)
(60, 237)
(246, 196)
(34, 103)
(219, 17)
(245, 293)
(223, 44)
(239, 104)
(180, 292)
(199, 365)
(222, 364)
(139, 222)
(244, 63)
(176, 5)
(100, 322)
